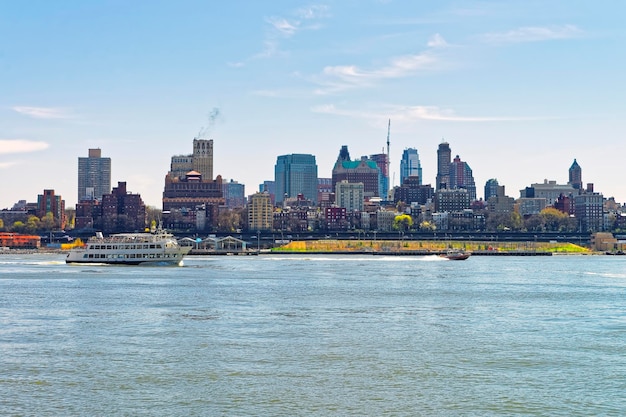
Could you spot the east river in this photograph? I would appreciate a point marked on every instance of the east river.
(296, 335)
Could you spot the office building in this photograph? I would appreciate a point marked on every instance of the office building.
(410, 165)
(295, 174)
(94, 176)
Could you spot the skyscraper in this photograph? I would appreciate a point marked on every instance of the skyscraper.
(382, 161)
(364, 170)
(576, 176)
(296, 174)
(491, 188)
(461, 177)
(203, 157)
(444, 155)
(94, 176)
(410, 165)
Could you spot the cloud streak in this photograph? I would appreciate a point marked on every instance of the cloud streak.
(43, 112)
(9, 146)
(342, 77)
(532, 34)
(416, 113)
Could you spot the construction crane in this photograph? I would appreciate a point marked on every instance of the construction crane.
(388, 158)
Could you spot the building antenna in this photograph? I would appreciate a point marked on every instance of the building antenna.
(388, 156)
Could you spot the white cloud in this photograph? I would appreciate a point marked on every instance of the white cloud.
(283, 26)
(533, 34)
(437, 41)
(20, 146)
(342, 77)
(43, 112)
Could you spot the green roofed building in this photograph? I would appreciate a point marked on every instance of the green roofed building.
(364, 171)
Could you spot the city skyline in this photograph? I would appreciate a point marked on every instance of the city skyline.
(518, 90)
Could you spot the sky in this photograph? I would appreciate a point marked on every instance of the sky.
(519, 89)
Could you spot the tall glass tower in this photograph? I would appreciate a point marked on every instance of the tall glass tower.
(295, 174)
(94, 176)
(410, 165)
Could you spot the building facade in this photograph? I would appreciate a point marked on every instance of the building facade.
(48, 202)
(382, 162)
(410, 165)
(234, 194)
(444, 155)
(260, 212)
(460, 175)
(364, 171)
(588, 209)
(123, 211)
(575, 176)
(412, 191)
(94, 176)
(295, 174)
(349, 195)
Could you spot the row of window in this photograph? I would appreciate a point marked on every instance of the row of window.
(128, 246)
(128, 256)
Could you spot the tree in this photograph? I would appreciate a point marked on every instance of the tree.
(534, 223)
(47, 222)
(554, 220)
(402, 222)
(427, 226)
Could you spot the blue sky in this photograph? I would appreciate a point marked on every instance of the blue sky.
(518, 88)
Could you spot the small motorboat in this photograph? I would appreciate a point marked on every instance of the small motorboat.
(456, 255)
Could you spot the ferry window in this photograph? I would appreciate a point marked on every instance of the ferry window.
(151, 246)
(159, 246)
(108, 246)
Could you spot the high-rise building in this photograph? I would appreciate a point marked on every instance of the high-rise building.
(123, 211)
(201, 160)
(260, 214)
(410, 165)
(364, 170)
(94, 176)
(234, 194)
(491, 188)
(48, 202)
(349, 195)
(203, 157)
(444, 155)
(295, 174)
(460, 175)
(191, 191)
(576, 176)
(411, 191)
(588, 209)
(382, 162)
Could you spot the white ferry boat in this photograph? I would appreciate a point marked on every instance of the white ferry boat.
(130, 249)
